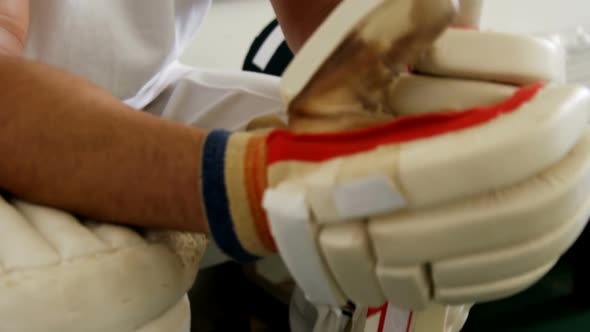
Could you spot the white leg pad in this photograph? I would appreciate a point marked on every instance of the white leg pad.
(62, 231)
(115, 236)
(17, 232)
(58, 275)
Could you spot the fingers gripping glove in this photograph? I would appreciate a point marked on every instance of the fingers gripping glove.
(471, 192)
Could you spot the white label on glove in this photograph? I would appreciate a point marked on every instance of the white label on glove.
(288, 215)
(367, 196)
(286, 204)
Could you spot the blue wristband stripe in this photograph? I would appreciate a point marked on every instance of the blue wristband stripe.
(215, 197)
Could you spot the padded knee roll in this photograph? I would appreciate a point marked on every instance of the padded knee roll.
(58, 274)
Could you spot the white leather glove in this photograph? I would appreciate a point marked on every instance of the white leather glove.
(471, 194)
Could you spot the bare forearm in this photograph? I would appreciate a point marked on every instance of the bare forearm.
(300, 18)
(14, 24)
(67, 144)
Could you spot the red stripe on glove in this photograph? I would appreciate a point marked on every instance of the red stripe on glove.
(287, 146)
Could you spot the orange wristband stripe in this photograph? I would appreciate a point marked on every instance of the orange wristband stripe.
(238, 193)
(256, 184)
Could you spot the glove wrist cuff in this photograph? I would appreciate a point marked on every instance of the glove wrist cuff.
(233, 181)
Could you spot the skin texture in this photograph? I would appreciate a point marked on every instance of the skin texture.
(14, 23)
(300, 18)
(88, 153)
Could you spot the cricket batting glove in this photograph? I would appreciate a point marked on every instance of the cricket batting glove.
(424, 164)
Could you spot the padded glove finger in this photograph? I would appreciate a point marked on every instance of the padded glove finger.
(418, 94)
(494, 57)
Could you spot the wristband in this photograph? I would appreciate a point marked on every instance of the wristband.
(215, 197)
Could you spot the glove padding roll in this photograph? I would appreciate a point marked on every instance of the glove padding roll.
(407, 95)
(60, 274)
(494, 57)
